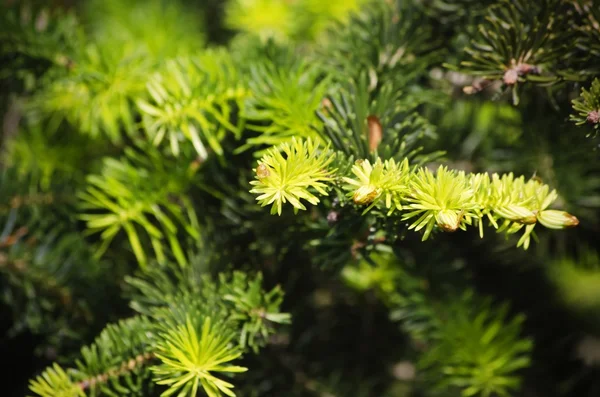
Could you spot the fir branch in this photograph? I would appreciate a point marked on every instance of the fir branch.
(587, 107)
(447, 200)
(140, 190)
(193, 99)
(191, 353)
(55, 382)
(97, 94)
(116, 360)
(476, 349)
(124, 369)
(583, 52)
(238, 297)
(388, 40)
(302, 20)
(280, 179)
(47, 156)
(468, 346)
(282, 103)
(362, 125)
(52, 285)
(517, 44)
(33, 31)
(387, 180)
(254, 309)
(153, 25)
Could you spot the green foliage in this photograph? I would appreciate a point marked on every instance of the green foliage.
(584, 52)
(445, 199)
(127, 139)
(96, 94)
(577, 279)
(192, 99)
(387, 41)
(448, 200)
(50, 284)
(239, 298)
(378, 183)
(151, 25)
(476, 349)
(182, 355)
(517, 43)
(108, 69)
(44, 156)
(283, 103)
(115, 362)
(451, 12)
(55, 383)
(254, 310)
(294, 20)
(189, 359)
(33, 31)
(134, 194)
(470, 346)
(281, 179)
(265, 18)
(587, 106)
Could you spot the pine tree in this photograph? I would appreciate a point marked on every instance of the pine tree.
(300, 198)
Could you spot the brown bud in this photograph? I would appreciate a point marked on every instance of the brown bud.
(448, 220)
(262, 171)
(554, 219)
(375, 132)
(326, 105)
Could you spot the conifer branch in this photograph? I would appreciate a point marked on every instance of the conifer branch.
(469, 346)
(125, 368)
(193, 99)
(446, 200)
(587, 107)
(282, 104)
(281, 180)
(517, 44)
(124, 198)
